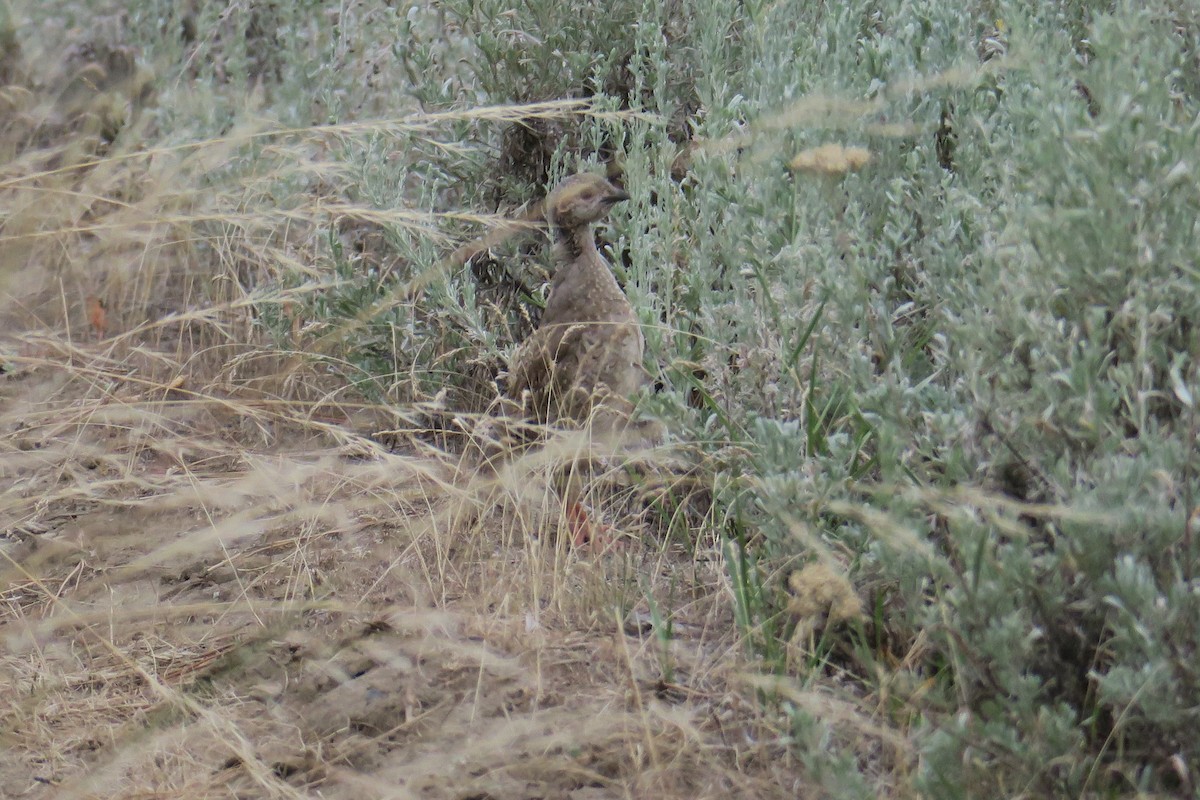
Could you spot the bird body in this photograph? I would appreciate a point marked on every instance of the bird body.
(583, 364)
(586, 354)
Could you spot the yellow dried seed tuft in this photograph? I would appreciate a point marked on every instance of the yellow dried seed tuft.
(819, 591)
(831, 159)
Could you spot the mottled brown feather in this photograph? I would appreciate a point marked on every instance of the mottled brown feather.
(587, 351)
(584, 362)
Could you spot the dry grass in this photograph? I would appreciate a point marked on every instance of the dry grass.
(217, 581)
(190, 614)
(187, 611)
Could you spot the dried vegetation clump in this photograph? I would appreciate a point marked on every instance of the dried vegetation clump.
(209, 596)
(831, 159)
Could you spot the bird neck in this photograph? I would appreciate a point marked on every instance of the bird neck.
(579, 263)
(574, 244)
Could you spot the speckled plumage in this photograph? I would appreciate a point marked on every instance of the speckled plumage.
(583, 364)
(584, 361)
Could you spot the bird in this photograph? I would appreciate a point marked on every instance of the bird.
(583, 363)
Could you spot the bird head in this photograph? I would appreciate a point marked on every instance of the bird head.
(580, 200)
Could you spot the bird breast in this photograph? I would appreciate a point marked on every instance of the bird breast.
(585, 290)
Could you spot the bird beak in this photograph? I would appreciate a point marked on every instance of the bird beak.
(618, 196)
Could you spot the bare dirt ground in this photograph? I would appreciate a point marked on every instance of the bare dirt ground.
(208, 597)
